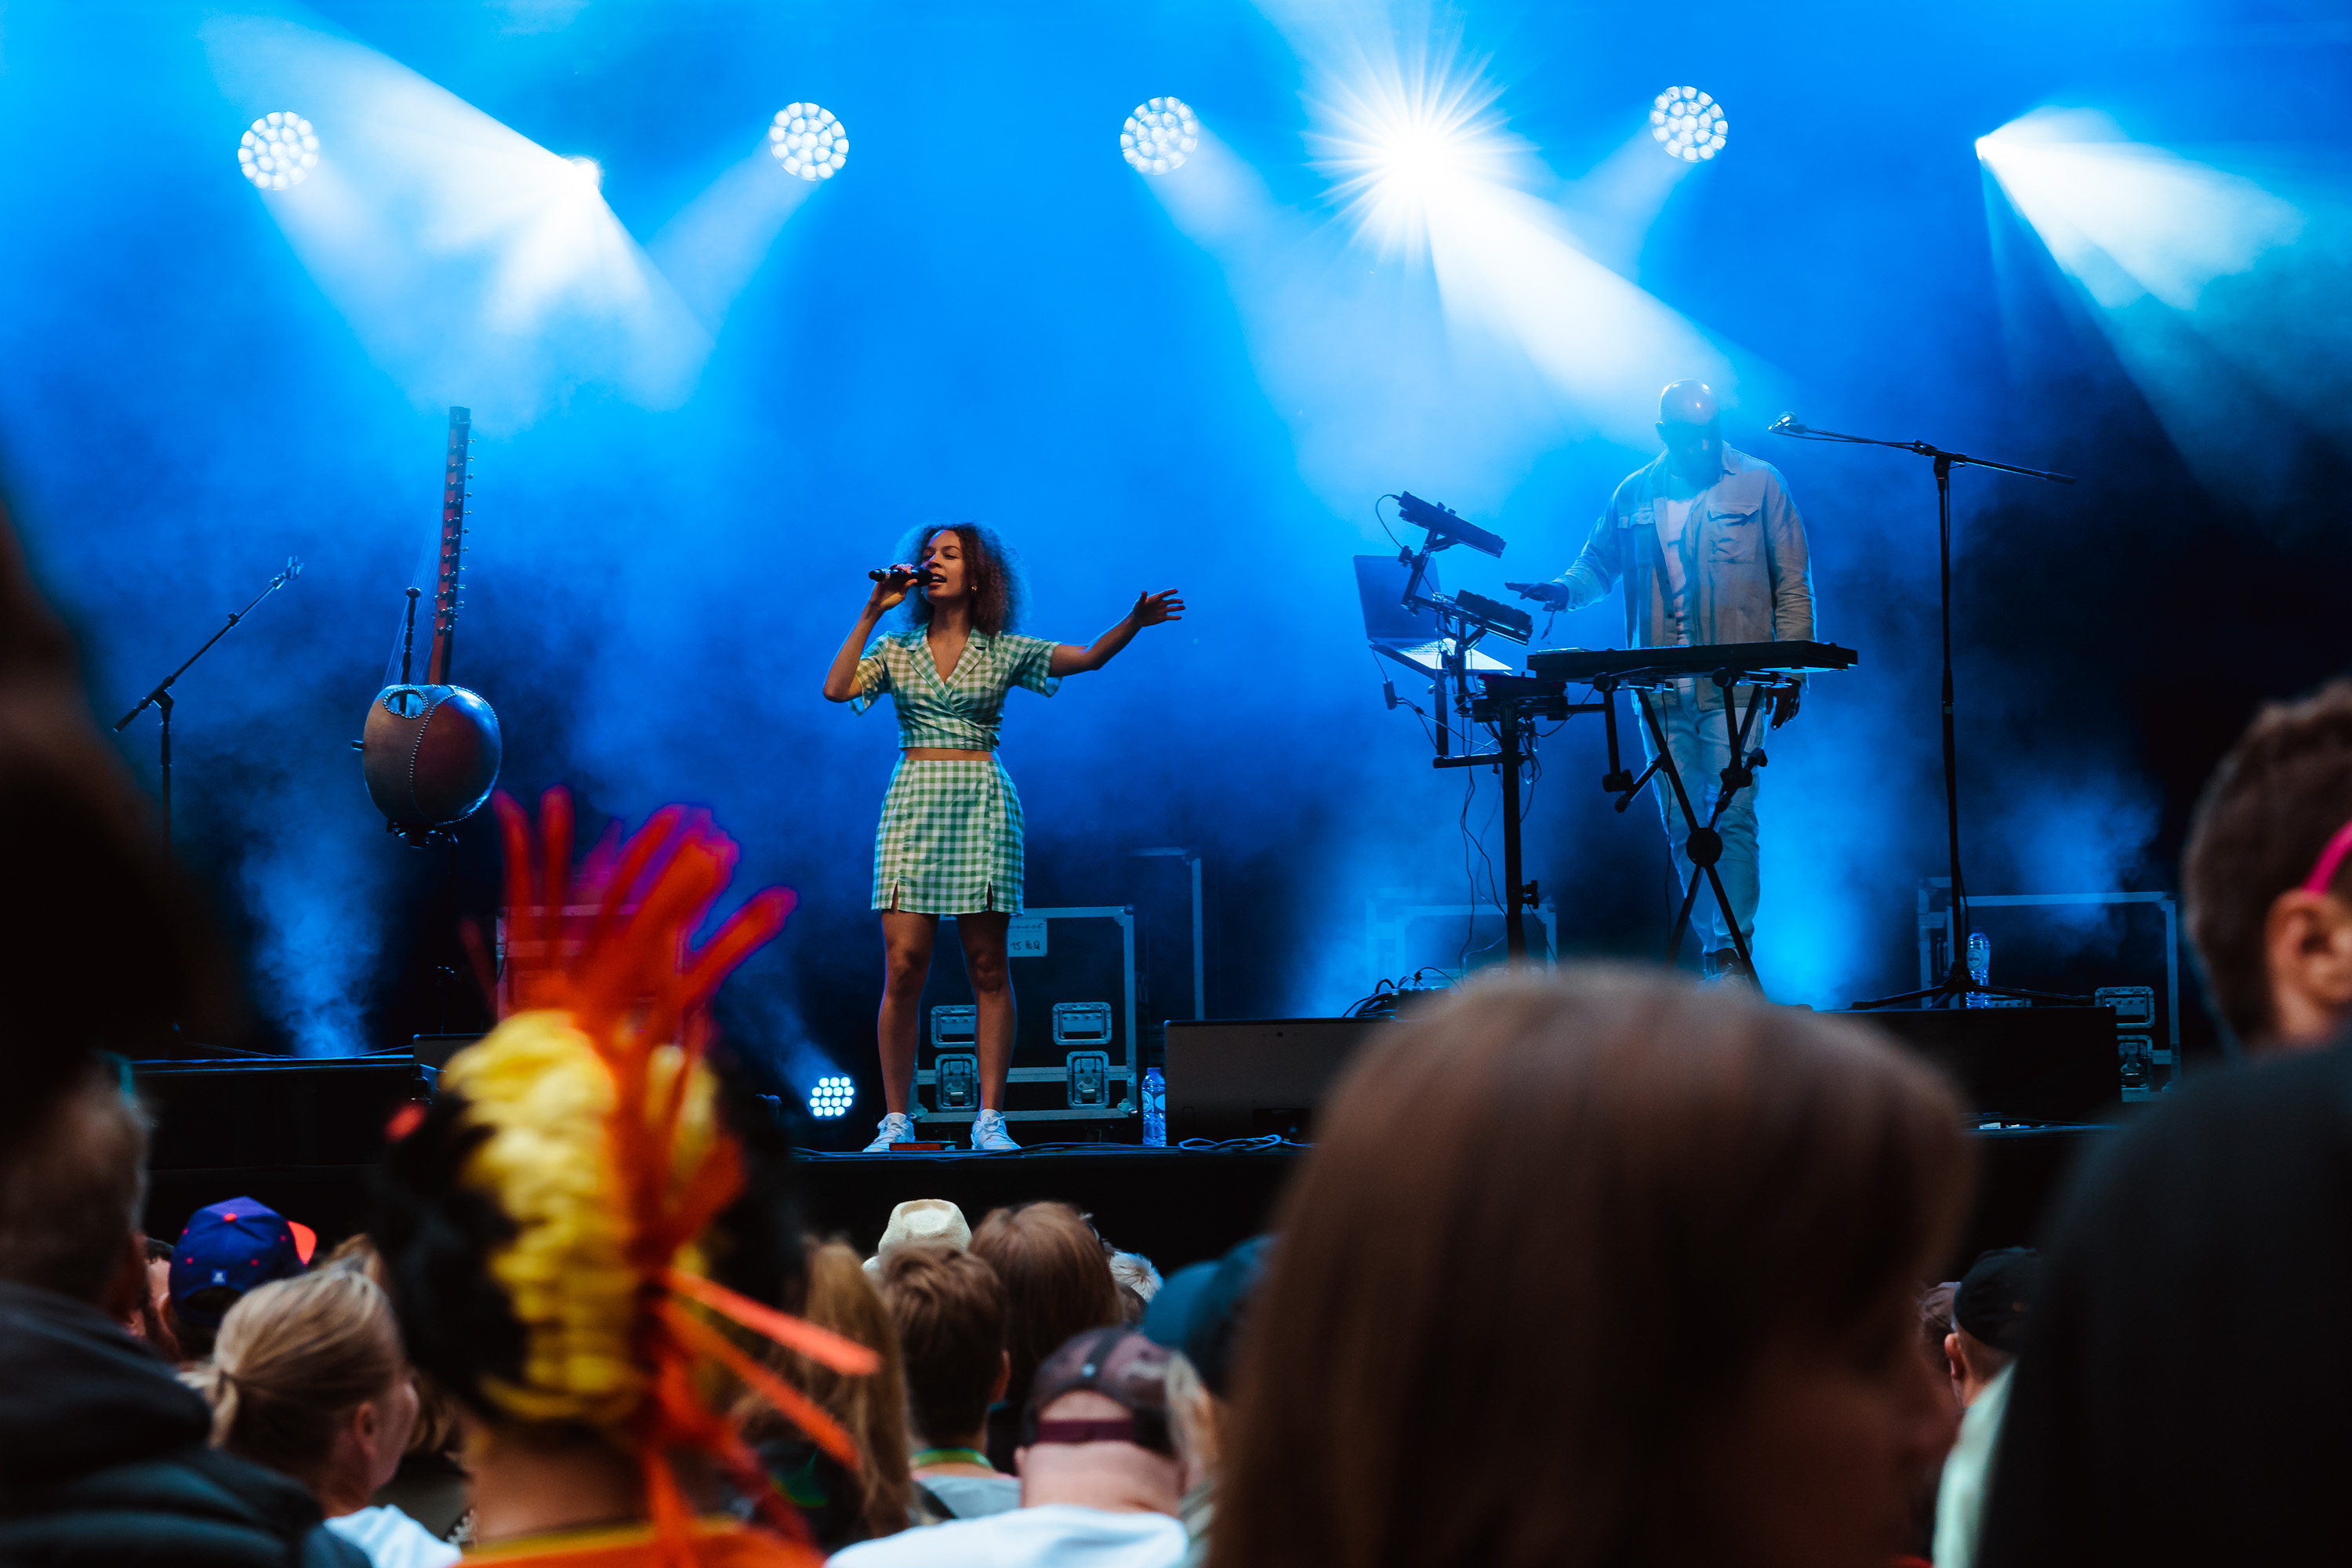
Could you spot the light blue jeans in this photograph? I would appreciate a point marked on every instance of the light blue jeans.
(1702, 747)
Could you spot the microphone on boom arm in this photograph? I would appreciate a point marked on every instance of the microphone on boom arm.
(1786, 425)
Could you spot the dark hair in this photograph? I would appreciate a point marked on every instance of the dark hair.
(71, 1186)
(2272, 806)
(950, 1311)
(997, 591)
(1056, 1283)
(1551, 1229)
(436, 1234)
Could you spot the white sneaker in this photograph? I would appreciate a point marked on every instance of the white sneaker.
(988, 1133)
(895, 1128)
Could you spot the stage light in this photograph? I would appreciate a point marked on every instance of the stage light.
(809, 141)
(1159, 135)
(278, 152)
(831, 1096)
(590, 170)
(1687, 123)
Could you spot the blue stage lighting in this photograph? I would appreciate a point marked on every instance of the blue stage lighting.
(1687, 123)
(278, 152)
(809, 141)
(831, 1096)
(1159, 134)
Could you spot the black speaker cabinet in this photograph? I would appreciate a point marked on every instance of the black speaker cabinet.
(2032, 1065)
(1248, 1078)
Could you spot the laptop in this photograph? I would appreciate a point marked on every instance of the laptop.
(1408, 635)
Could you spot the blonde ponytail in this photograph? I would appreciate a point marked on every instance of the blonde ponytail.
(293, 1360)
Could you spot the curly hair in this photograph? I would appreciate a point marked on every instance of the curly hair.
(998, 594)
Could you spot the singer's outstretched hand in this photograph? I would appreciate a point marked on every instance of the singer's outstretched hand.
(1152, 609)
(1552, 593)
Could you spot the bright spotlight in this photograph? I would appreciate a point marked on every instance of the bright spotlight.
(831, 1096)
(1159, 134)
(590, 170)
(809, 141)
(1687, 123)
(278, 152)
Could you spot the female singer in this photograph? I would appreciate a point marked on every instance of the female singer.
(951, 837)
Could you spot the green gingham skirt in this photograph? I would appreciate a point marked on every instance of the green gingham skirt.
(950, 840)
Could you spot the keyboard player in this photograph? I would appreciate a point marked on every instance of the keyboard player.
(1709, 549)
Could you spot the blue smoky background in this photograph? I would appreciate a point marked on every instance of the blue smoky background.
(1413, 247)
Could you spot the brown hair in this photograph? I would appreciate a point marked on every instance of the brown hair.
(293, 1359)
(2272, 806)
(71, 1186)
(950, 1311)
(1551, 1226)
(440, 1428)
(1056, 1281)
(995, 577)
(871, 1408)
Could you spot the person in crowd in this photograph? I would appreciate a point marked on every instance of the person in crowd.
(1602, 1268)
(1935, 1327)
(1100, 1478)
(588, 1197)
(843, 1503)
(1138, 1282)
(2207, 1240)
(228, 1248)
(1989, 1312)
(151, 1319)
(432, 1485)
(1057, 1282)
(949, 1312)
(307, 1377)
(919, 1222)
(2261, 877)
(1198, 1314)
(103, 1454)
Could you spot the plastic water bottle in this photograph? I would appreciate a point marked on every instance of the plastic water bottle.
(1155, 1110)
(1980, 966)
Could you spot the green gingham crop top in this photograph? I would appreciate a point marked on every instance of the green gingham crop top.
(959, 713)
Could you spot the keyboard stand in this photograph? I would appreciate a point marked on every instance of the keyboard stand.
(1703, 843)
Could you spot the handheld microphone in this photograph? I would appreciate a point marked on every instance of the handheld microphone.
(886, 574)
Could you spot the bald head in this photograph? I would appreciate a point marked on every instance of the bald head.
(1688, 402)
(1693, 434)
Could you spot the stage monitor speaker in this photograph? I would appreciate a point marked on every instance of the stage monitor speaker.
(2037, 1065)
(1246, 1079)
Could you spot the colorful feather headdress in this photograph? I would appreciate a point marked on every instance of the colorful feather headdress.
(605, 1148)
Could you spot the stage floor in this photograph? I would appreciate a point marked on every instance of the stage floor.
(1173, 1206)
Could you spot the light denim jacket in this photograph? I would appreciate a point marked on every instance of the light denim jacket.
(1749, 578)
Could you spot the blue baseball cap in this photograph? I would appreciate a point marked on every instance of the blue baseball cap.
(238, 1243)
(1200, 1310)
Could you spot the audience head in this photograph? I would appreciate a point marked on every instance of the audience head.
(307, 1378)
(1198, 1314)
(1094, 1431)
(1137, 1283)
(226, 1250)
(919, 1222)
(949, 1307)
(1057, 1283)
(2266, 879)
(585, 1173)
(1988, 1316)
(872, 1409)
(1705, 1352)
(72, 1186)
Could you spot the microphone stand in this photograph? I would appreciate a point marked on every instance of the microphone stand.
(1957, 984)
(161, 698)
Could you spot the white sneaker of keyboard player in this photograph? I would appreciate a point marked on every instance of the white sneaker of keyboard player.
(988, 1134)
(895, 1128)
